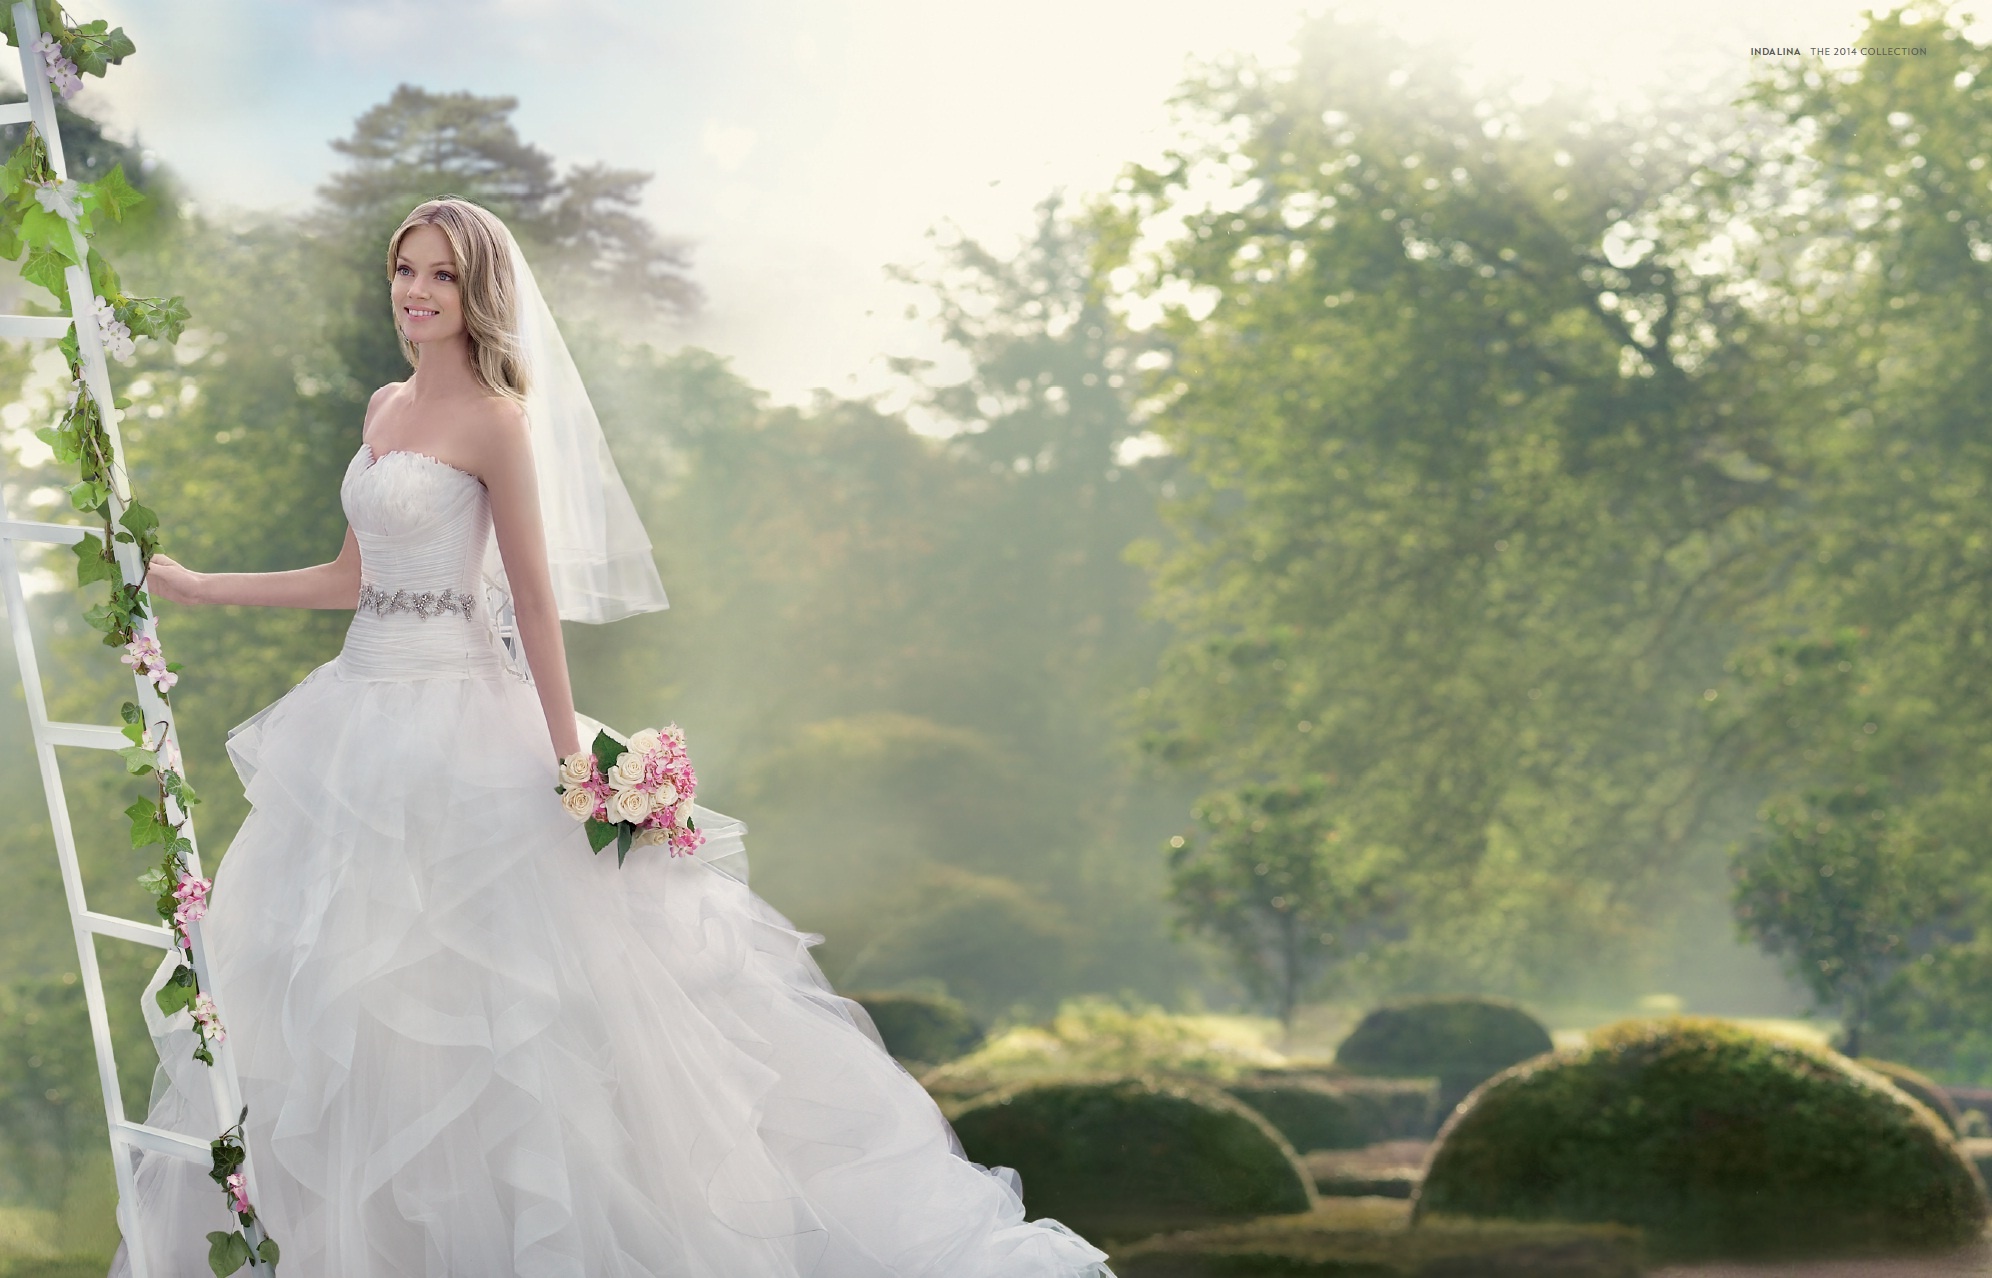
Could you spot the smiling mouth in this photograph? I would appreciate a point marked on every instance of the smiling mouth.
(417, 313)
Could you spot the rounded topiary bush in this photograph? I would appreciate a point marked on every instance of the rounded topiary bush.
(1462, 1042)
(1310, 1113)
(922, 1027)
(1714, 1141)
(1123, 1158)
(1922, 1087)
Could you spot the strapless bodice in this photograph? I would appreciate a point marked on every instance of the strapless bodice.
(423, 527)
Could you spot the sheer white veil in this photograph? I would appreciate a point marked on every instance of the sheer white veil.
(596, 546)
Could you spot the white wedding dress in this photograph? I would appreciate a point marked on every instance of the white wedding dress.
(472, 1047)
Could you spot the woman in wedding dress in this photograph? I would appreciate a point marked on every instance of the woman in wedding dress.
(469, 1046)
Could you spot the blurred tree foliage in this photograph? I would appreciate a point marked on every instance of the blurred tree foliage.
(1869, 660)
(1466, 442)
(1845, 896)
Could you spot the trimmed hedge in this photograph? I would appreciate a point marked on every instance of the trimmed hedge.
(1367, 1238)
(1310, 1113)
(1460, 1041)
(1713, 1140)
(922, 1028)
(1123, 1158)
(1922, 1087)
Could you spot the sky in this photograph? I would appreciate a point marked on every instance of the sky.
(803, 147)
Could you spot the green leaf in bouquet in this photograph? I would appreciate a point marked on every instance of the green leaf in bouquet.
(607, 750)
(623, 837)
(600, 834)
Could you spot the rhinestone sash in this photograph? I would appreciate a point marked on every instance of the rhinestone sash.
(424, 604)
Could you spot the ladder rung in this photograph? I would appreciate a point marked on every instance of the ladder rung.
(51, 326)
(14, 113)
(159, 1140)
(89, 736)
(155, 934)
(35, 530)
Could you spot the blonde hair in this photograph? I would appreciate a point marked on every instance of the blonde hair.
(484, 283)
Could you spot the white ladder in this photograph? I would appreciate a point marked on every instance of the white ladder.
(128, 1138)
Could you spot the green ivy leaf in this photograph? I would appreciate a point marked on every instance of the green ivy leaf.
(178, 992)
(155, 881)
(45, 267)
(176, 785)
(91, 565)
(146, 828)
(227, 1252)
(89, 494)
(139, 519)
(267, 1250)
(161, 317)
(114, 195)
(43, 229)
(138, 760)
(102, 277)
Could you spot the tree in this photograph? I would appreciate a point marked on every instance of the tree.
(1463, 439)
(1845, 894)
(1270, 878)
(418, 145)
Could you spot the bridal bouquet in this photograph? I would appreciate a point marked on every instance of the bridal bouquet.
(633, 793)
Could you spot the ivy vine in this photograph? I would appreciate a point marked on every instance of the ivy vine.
(46, 224)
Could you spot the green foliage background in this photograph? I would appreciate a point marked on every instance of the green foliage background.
(1412, 538)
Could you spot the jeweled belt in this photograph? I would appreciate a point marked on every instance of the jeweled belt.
(424, 604)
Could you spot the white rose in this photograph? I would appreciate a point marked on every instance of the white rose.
(685, 817)
(645, 741)
(628, 772)
(630, 805)
(579, 804)
(667, 794)
(644, 838)
(576, 768)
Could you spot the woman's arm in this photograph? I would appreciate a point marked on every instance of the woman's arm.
(511, 480)
(333, 585)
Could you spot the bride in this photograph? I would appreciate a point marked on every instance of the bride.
(470, 1046)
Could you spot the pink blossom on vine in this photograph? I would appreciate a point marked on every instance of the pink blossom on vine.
(209, 1019)
(192, 894)
(238, 1193)
(61, 72)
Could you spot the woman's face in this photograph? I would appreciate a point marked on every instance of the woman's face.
(427, 301)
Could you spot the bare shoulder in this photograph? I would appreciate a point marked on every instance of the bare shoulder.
(498, 439)
(382, 398)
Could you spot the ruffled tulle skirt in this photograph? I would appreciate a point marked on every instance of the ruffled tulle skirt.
(472, 1047)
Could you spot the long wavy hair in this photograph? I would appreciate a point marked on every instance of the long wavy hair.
(484, 283)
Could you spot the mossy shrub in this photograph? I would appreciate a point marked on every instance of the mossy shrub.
(1123, 1158)
(1922, 1087)
(922, 1027)
(1713, 1140)
(1461, 1041)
